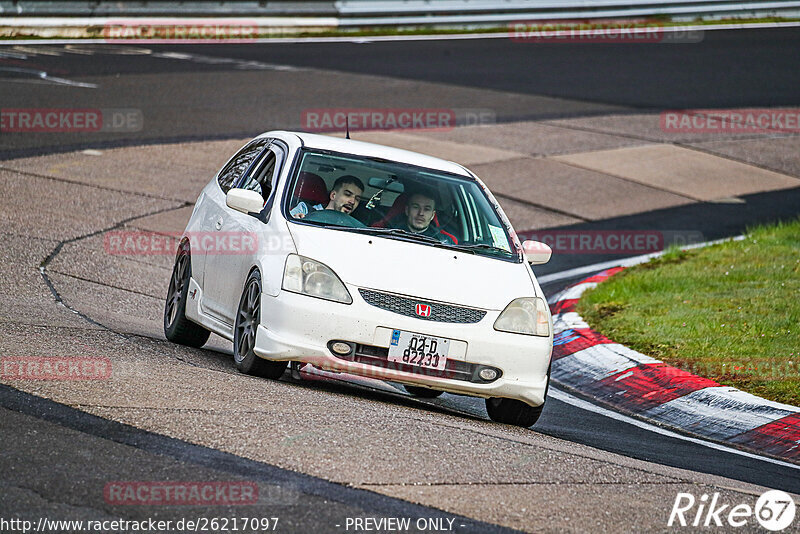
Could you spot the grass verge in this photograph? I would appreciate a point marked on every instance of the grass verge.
(730, 312)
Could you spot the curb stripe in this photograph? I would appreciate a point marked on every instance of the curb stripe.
(568, 321)
(617, 376)
(574, 292)
(718, 412)
(662, 430)
(647, 386)
(589, 365)
(598, 362)
(602, 276)
(572, 340)
(779, 438)
(566, 305)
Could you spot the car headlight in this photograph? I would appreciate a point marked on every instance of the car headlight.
(308, 277)
(527, 315)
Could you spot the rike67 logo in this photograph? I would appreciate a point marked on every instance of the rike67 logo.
(774, 511)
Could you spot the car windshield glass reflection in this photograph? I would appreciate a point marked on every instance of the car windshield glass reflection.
(397, 201)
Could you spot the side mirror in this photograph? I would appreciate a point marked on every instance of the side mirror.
(536, 252)
(244, 200)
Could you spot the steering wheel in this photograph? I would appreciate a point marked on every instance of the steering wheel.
(333, 217)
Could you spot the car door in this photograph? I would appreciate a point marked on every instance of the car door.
(212, 212)
(238, 234)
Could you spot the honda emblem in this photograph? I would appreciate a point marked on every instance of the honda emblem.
(423, 310)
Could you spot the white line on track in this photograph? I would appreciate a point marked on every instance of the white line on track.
(40, 76)
(563, 396)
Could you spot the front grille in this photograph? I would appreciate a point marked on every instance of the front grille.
(454, 369)
(443, 313)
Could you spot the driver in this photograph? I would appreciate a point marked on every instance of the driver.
(420, 210)
(344, 196)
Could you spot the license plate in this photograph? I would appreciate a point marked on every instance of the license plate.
(429, 352)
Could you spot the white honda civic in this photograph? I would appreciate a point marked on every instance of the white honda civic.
(369, 260)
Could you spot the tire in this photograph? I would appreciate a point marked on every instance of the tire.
(248, 317)
(423, 393)
(514, 412)
(177, 328)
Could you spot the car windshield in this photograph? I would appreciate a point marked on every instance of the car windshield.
(396, 200)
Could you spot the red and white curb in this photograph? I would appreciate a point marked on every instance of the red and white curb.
(628, 381)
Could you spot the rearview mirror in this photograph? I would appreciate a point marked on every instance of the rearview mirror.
(244, 200)
(536, 252)
(386, 184)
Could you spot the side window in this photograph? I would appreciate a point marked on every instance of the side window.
(239, 163)
(260, 177)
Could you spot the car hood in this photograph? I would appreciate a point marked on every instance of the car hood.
(414, 269)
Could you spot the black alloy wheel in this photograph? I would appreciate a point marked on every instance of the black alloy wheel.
(248, 317)
(177, 327)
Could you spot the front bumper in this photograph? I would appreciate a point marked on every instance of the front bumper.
(299, 328)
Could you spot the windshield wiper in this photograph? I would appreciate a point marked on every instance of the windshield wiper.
(483, 246)
(406, 234)
(396, 231)
(471, 249)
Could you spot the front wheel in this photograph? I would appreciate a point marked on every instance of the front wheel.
(248, 317)
(177, 328)
(514, 412)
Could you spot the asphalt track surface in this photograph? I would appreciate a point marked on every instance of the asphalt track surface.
(729, 69)
(209, 85)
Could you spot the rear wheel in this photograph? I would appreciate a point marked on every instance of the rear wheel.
(177, 328)
(423, 393)
(248, 317)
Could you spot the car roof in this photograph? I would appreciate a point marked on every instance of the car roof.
(352, 146)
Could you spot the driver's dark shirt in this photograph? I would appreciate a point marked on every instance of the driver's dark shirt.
(430, 231)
